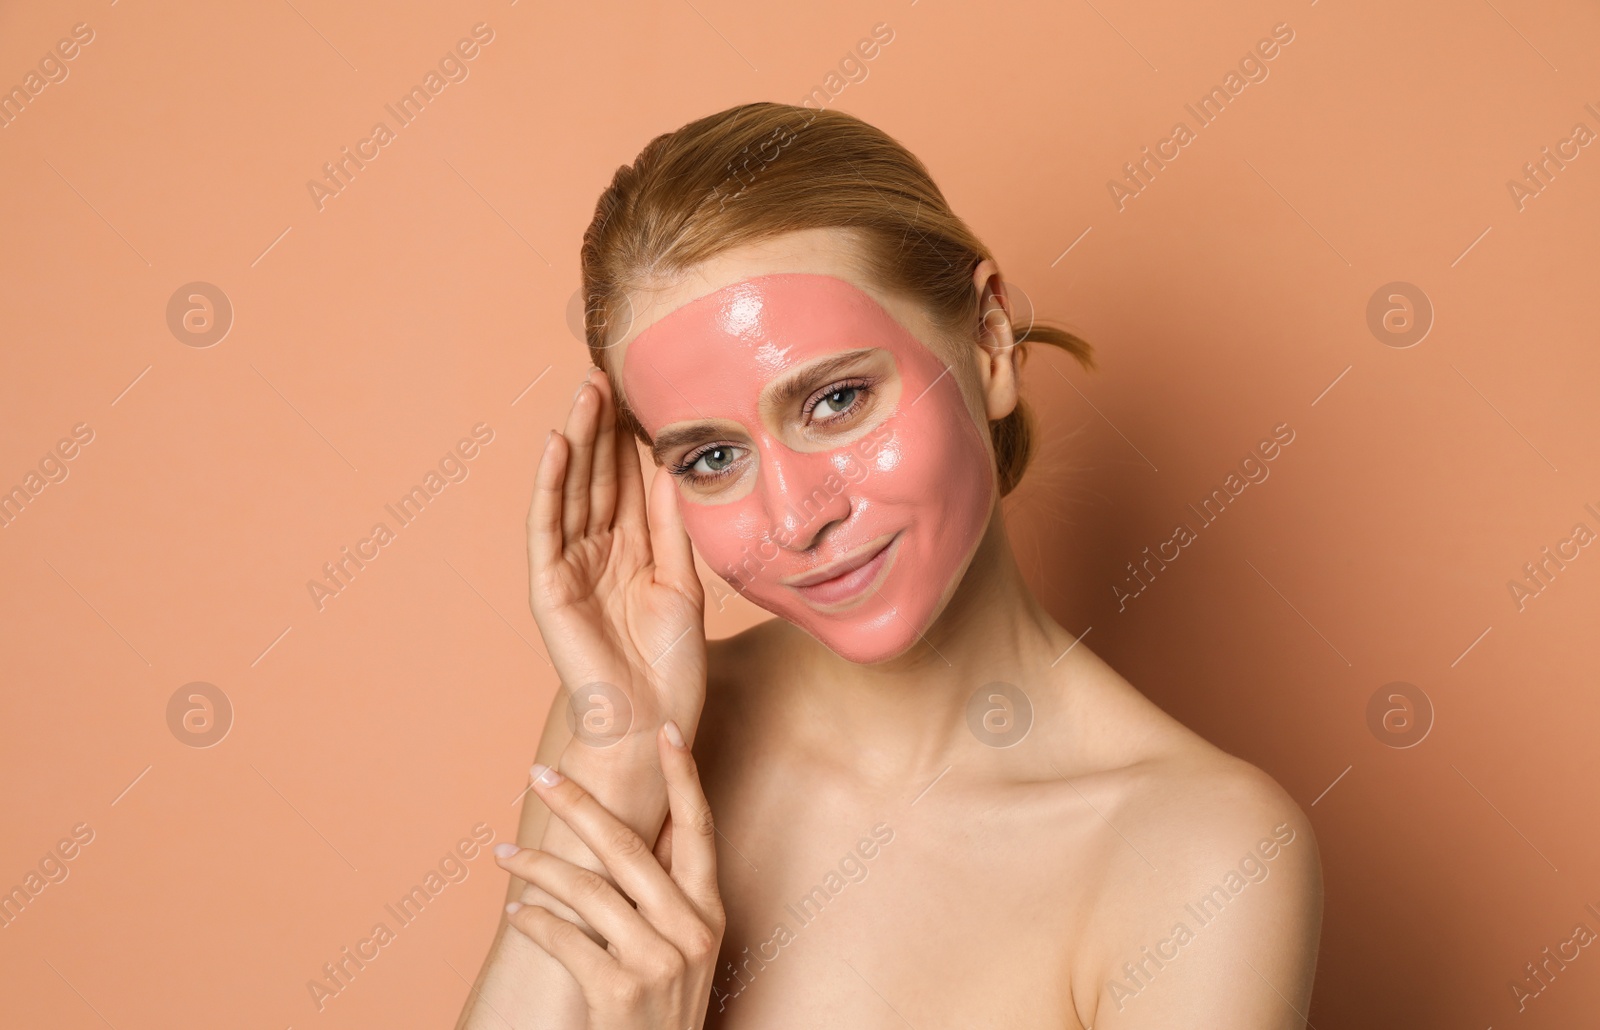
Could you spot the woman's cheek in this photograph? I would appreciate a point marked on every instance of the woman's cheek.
(726, 536)
(969, 493)
(971, 474)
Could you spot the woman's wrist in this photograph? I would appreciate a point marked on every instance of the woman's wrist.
(628, 783)
(624, 777)
(613, 765)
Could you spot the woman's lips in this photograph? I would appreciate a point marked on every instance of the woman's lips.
(857, 573)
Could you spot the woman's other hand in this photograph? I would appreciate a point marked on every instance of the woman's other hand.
(654, 964)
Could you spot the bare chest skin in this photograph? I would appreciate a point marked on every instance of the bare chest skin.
(960, 909)
(959, 903)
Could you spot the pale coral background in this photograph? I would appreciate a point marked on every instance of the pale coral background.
(370, 336)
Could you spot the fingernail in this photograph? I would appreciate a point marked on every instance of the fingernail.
(545, 776)
(512, 907)
(550, 440)
(505, 849)
(674, 735)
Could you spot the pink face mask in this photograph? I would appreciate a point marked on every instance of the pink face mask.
(815, 439)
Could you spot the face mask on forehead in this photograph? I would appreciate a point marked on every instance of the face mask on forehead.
(828, 467)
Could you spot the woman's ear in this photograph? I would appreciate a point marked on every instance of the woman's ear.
(999, 356)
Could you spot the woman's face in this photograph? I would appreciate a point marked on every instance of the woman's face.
(827, 465)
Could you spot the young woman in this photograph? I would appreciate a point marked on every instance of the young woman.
(934, 806)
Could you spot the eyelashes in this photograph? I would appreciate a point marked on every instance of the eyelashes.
(860, 386)
(685, 468)
(857, 389)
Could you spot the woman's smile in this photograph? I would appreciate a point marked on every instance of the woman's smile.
(838, 585)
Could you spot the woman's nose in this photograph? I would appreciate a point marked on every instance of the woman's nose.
(803, 494)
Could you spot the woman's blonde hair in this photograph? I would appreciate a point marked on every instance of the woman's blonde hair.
(759, 170)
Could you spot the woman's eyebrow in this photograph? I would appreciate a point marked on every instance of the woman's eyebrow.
(792, 387)
(670, 439)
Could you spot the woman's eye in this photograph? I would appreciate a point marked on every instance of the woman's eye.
(714, 460)
(703, 467)
(840, 400)
(836, 402)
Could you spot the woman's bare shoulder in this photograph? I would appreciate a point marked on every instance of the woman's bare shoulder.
(1164, 780)
(1191, 822)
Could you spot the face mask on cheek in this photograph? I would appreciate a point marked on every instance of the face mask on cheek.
(911, 487)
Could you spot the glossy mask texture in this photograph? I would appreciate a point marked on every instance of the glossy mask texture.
(910, 465)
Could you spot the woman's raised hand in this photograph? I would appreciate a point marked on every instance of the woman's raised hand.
(613, 584)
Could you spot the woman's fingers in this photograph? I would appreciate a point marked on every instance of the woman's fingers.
(603, 478)
(589, 963)
(626, 855)
(588, 474)
(581, 422)
(663, 849)
(585, 891)
(630, 485)
(669, 541)
(544, 515)
(694, 837)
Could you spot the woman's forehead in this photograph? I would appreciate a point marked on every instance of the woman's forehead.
(835, 251)
(763, 310)
(736, 340)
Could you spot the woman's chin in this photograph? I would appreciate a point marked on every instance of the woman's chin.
(866, 642)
